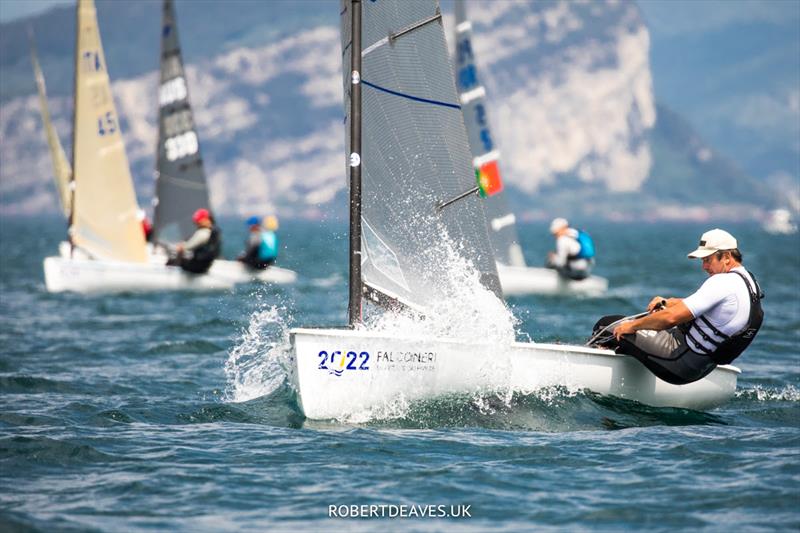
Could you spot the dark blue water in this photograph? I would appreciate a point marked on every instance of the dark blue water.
(118, 412)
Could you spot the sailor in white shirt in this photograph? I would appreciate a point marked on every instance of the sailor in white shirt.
(569, 257)
(683, 339)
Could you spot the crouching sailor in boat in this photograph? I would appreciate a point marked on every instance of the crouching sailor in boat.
(681, 340)
(574, 254)
(198, 253)
(261, 247)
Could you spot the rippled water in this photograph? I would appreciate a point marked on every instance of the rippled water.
(164, 411)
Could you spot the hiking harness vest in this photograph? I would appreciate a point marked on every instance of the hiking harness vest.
(587, 246)
(268, 247)
(731, 346)
(210, 250)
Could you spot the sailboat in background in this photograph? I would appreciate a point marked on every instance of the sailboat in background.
(515, 276)
(181, 186)
(62, 171)
(779, 222)
(419, 240)
(106, 250)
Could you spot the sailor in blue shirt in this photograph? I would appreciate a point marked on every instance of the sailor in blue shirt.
(261, 247)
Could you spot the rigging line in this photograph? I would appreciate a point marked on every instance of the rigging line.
(410, 97)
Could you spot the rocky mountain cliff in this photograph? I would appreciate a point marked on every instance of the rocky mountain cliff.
(570, 87)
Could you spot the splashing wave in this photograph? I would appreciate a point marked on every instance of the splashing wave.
(260, 361)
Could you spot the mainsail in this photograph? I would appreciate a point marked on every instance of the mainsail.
(104, 220)
(181, 182)
(502, 225)
(414, 157)
(61, 167)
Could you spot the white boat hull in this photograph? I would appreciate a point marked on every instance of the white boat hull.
(93, 276)
(519, 281)
(339, 372)
(242, 274)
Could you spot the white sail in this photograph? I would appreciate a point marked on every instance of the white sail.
(415, 156)
(486, 156)
(62, 172)
(104, 219)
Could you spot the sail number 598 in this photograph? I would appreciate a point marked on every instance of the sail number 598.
(181, 145)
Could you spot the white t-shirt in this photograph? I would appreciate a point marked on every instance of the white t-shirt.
(724, 301)
(566, 246)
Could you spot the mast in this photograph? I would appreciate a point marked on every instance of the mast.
(354, 308)
(71, 220)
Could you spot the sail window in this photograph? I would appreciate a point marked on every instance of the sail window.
(381, 256)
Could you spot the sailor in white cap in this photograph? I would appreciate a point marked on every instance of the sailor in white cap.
(682, 339)
(574, 253)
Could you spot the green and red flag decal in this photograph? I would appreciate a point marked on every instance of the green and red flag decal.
(488, 176)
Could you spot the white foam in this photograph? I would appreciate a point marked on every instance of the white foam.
(464, 310)
(259, 362)
(789, 393)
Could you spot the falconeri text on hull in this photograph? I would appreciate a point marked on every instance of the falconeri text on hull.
(412, 200)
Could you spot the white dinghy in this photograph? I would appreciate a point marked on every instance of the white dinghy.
(181, 185)
(107, 250)
(416, 198)
(521, 280)
(345, 372)
(516, 278)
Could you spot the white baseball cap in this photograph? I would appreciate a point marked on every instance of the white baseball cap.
(557, 224)
(713, 241)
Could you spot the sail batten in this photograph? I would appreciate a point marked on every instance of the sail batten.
(414, 156)
(472, 94)
(181, 186)
(104, 217)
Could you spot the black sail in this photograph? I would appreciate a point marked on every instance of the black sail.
(180, 179)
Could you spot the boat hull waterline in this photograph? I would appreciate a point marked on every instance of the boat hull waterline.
(519, 281)
(339, 373)
(91, 276)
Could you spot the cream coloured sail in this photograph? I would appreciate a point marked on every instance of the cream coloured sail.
(61, 167)
(104, 218)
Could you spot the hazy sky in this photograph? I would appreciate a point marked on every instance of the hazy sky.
(14, 9)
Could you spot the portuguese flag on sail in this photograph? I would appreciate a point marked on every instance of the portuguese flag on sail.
(488, 176)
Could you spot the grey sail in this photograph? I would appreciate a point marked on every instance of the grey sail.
(486, 157)
(180, 179)
(415, 156)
